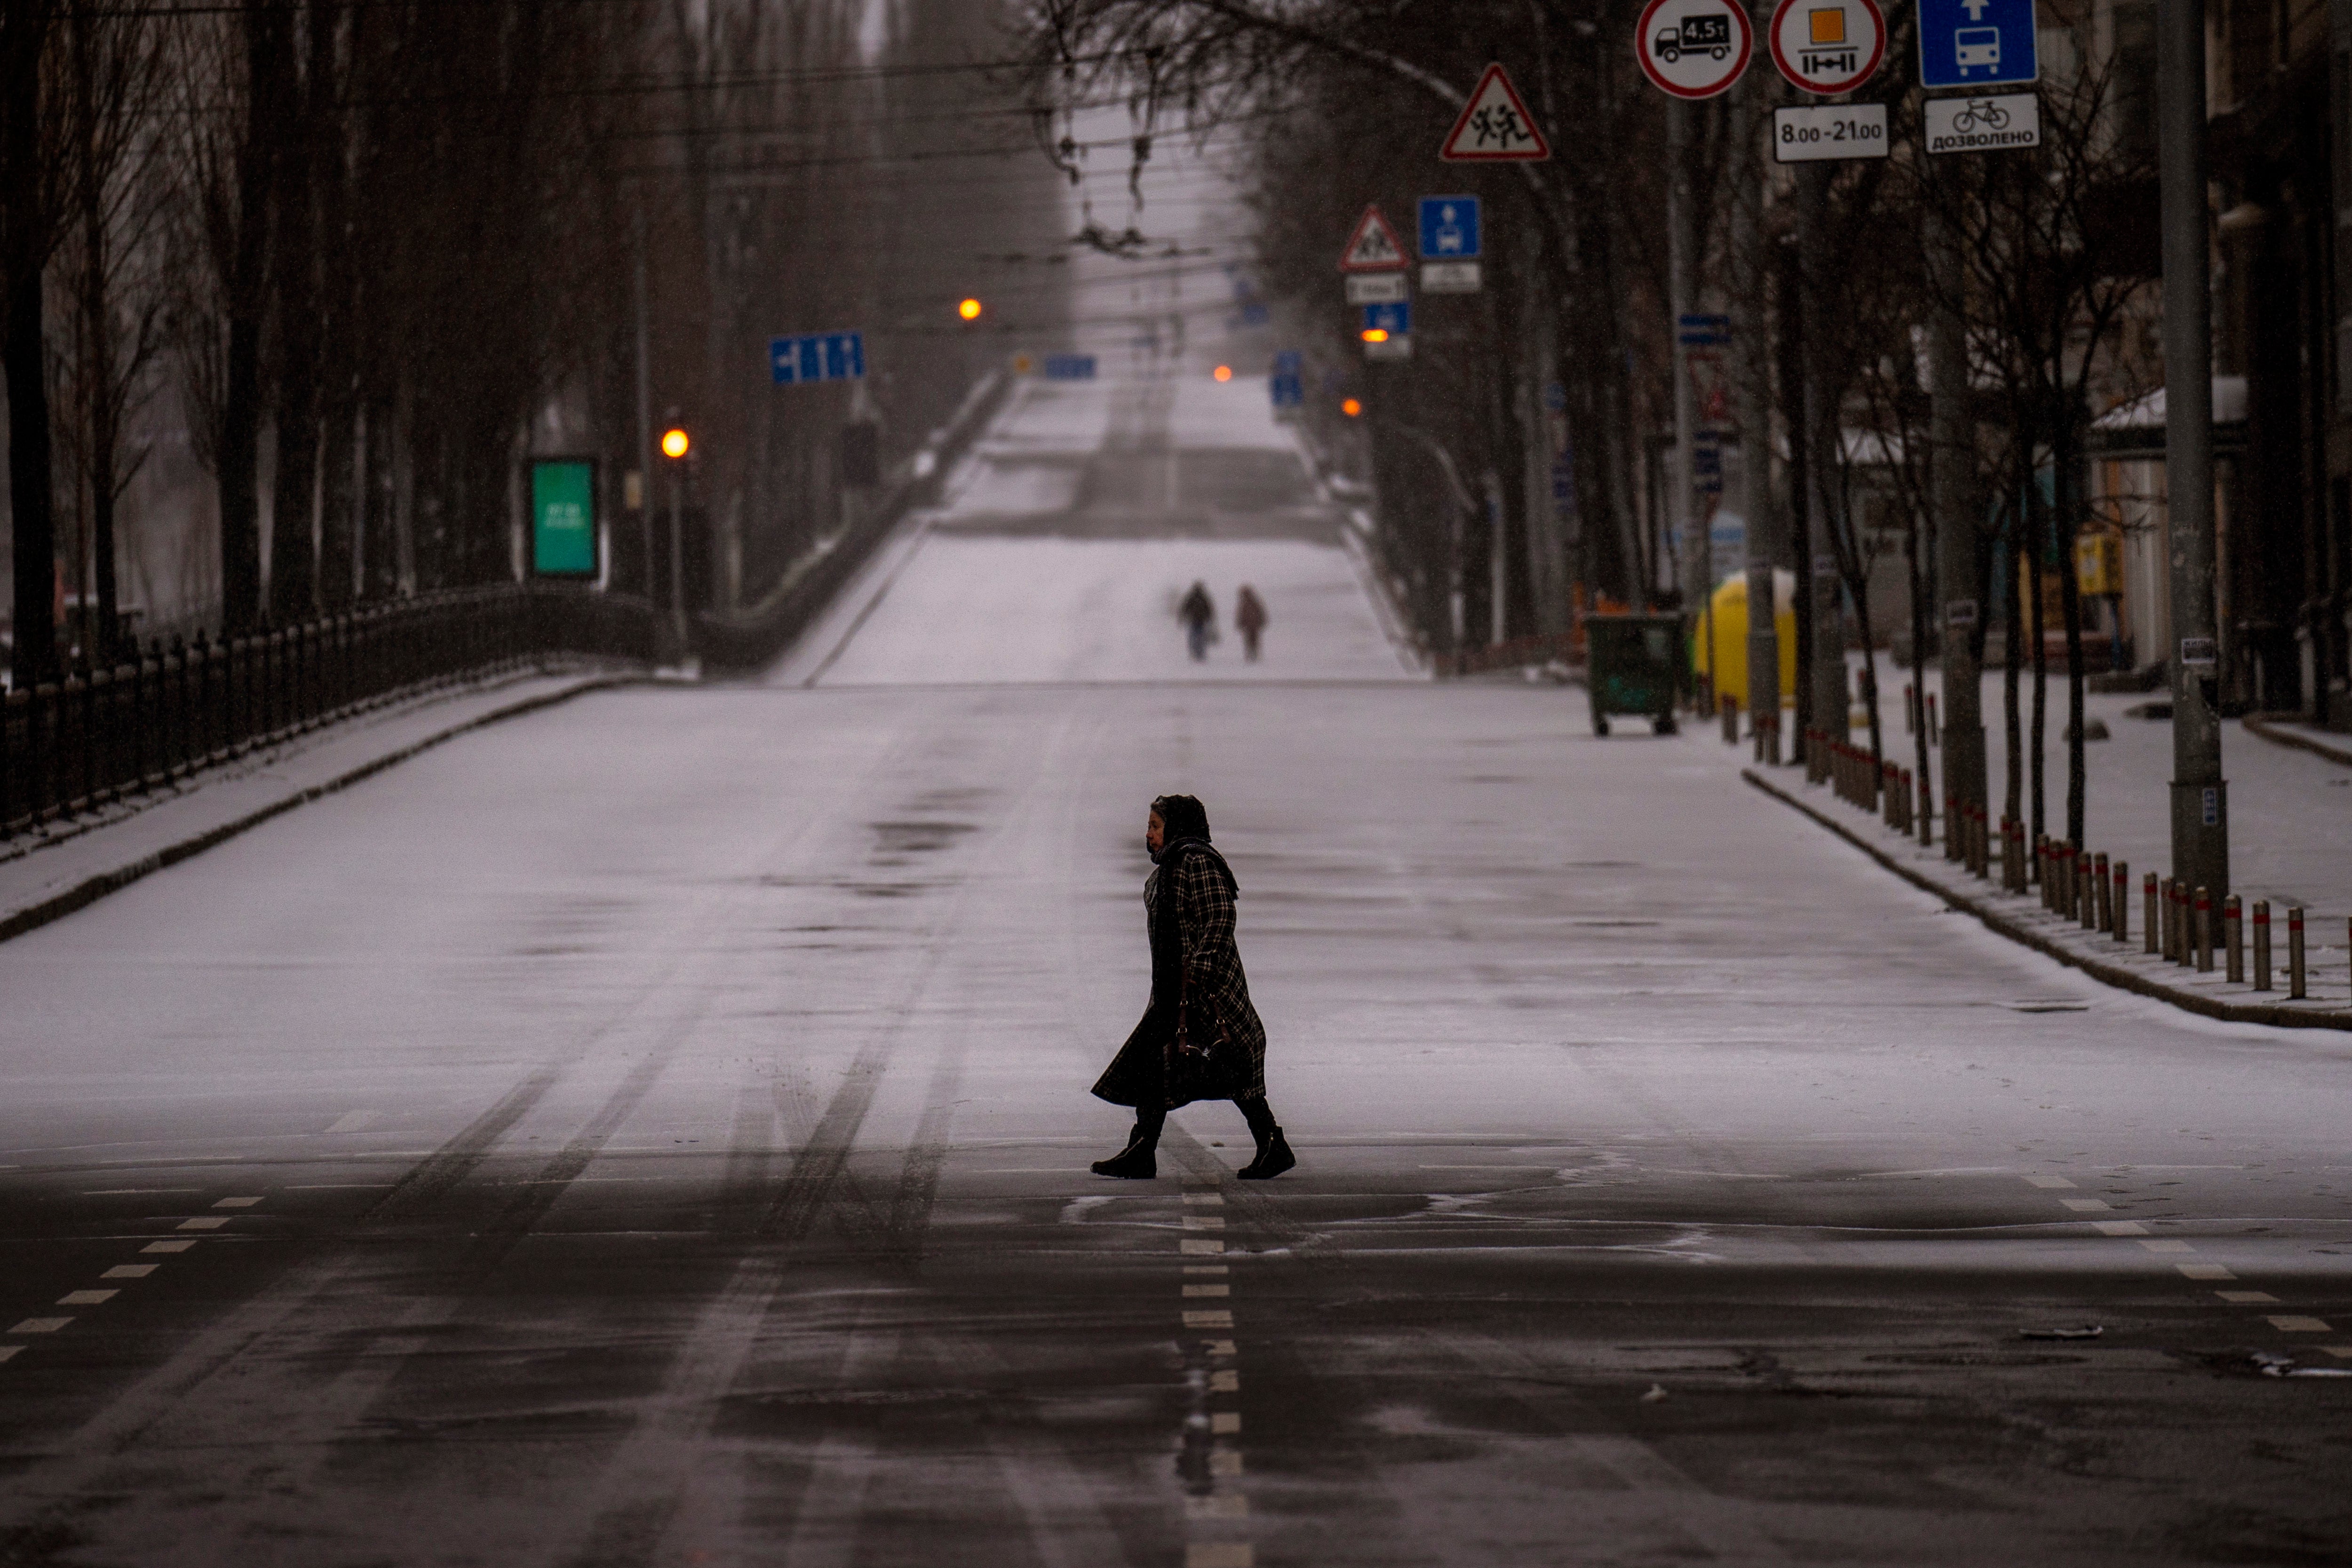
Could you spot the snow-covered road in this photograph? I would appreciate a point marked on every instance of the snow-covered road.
(654, 1132)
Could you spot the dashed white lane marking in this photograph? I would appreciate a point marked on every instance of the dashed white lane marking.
(1220, 1553)
(130, 1271)
(1208, 1320)
(40, 1325)
(2204, 1271)
(2085, 1205)
(168, 1245)
(2341, 1352)
(138, 1191)
(1199, 1290)
(2291, 1325)
(205, 1221)
(1226, 1382)
(236, 1203)
(2248, 1297)
(1218, 1505)
(1204, 1222)
(351, 1121)
(2118, 1228)
(87, 1298)
(1227, 1422)
(2163, 1245)
(8, 1351)
(1193, 1249)
(2040, 1181)
(1211, 1200)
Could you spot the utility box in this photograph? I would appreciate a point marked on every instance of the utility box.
(1638, 665)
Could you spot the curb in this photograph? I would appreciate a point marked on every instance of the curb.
(2025, 936)
(2300, 742)
(87, 891)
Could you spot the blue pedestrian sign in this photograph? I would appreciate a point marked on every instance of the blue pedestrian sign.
(1449, 229)
(1070, 367)
(812, 357)
(1976, 42)
(1395, 319)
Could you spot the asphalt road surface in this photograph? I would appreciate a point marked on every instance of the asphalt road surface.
(654, 1132)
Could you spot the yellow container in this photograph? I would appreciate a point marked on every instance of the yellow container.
(1727, 626)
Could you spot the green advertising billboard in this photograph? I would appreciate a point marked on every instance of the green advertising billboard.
(563, 518)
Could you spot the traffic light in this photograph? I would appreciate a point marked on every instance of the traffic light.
(673, 442)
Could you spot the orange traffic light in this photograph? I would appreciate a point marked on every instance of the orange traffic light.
(1351, 407)
(674, 443)
(968, 308)
(1223, 373)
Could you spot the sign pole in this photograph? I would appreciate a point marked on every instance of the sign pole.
(1682, 506)
(1951, 494)
(2200, 805)
(645, 415)
(1830, 714)
(1753, 358)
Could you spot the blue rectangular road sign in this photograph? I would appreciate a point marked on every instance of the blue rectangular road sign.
(1395, 319)
(812, 357)
(1976, 42)
(1070, 367)
(1703, 331)
(1449, 229)
(1290, 362)
(1286, 388)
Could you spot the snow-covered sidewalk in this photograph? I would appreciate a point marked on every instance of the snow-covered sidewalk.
(2265, 845)
(51, 872)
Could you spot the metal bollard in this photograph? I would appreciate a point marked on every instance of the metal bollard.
(2149, 916)
(2180, 949)
(1730, 707)
(2171, 944)
(1910, 710)
(1934, 731)
(2261, 944)
(2234, 928)
(2294, 978)
(2094, 894)
(2122, 897)
(2204, 932)
(1927, 812)
(2106, 918)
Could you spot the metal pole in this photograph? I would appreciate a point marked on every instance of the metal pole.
(1682, 506)
(1950, 476)
(677, 554)
(645, 410)
(1497, 564)
(1755, 394)
(2200, 805)
(1830, 714)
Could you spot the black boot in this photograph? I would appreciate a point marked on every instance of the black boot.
(1274, 1155)
(1137, 1161)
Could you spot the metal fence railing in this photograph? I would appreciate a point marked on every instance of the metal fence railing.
(99, 735)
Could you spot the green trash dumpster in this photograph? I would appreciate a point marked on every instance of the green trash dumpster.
(1636, 664)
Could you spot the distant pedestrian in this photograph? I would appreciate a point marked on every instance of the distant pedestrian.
(1199, 613)
(1200, 1040)
(1249, 619)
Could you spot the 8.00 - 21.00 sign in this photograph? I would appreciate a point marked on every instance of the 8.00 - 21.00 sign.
(1817, 132)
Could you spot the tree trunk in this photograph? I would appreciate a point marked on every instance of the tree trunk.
(240, 435)
(2070, 606)
(2013, 646)
(338, 305)
(293, 559)
(1800, 528)
(2037, 521)
(24, 190)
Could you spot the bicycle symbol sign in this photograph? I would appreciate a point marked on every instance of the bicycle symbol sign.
(1998, 123)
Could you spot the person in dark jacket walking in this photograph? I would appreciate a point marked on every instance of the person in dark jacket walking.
(1199, 613)
(1249, 619)
(1199, 1038)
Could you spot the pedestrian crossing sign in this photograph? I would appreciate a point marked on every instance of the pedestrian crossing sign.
(1373, 247)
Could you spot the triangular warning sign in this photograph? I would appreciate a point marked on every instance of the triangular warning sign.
(1373, 247)
(1496, 126)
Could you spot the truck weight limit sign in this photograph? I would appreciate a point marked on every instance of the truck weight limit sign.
(1693, 48)
(1828, 46)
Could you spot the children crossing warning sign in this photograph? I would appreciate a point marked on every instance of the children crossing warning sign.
(1495, 126)
(1373, 247)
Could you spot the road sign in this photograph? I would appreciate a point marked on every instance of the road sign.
(1449, 278)
(1290, 362)
(1375, 288)
(1394, 348)
(1976, 42)
(1495, 126)
(1828, 46)
(1817, 131)
(1373, 247)
(1449, 229)
(1693, 48)
(1997, 124)
(1395, 319)
(1288, 389)
(1703, 331)
(563, 518)
(812, 357)
(1070, 367)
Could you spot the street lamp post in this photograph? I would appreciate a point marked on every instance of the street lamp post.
(2200, 800)
(675, 446)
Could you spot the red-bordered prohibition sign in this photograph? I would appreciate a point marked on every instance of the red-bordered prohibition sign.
(1693, 48)
(1828, 46)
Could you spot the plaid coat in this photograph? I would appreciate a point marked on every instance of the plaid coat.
(1199, 993)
